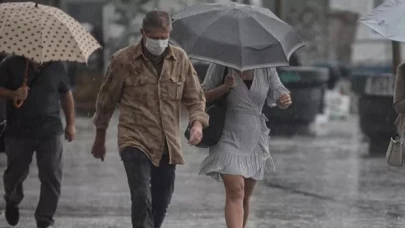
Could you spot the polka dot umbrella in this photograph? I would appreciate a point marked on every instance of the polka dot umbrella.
(43, 34)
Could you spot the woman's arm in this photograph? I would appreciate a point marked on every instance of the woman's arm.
(276, 89)
(215, 94)
(213, 85)
(400, 107)
(399, 90)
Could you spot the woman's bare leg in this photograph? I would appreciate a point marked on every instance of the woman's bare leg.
(249, 187)
(234, 187)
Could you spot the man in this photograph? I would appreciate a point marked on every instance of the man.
(35, 126)
(149, 81)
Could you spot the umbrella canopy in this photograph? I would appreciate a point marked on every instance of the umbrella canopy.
(43, 33)
(235, 35)
(388, 19)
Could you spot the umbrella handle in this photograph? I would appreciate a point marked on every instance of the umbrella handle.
(18, 103)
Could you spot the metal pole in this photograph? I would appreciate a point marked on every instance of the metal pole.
(396, 56)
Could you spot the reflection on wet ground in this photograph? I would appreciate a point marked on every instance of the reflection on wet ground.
(320, 182)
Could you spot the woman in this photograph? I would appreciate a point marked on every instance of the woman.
(239, 158)
(399, 99)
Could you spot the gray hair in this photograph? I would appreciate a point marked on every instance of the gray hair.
(157, 19)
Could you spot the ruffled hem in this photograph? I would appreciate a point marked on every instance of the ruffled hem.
(250, 166)
(275, 94)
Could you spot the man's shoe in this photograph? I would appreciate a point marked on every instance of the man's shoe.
(12, 214)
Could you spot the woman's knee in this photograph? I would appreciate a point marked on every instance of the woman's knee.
(249, 187)
(235, 191)
(246, 200)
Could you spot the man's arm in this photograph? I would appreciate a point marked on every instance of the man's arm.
(108, 97)
(5, 93)
(193, 97)
(69, 110)
(66, 97)
(68, 107)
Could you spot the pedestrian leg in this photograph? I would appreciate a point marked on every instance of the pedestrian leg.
(49, 161)
(249, 187)
(19, 157)
(138, 169)
(162, 189)
(235, 193)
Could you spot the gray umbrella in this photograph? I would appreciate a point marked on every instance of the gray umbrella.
(235, 35)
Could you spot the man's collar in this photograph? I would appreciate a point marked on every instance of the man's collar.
(138, 51)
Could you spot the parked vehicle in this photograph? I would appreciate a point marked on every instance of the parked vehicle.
(375, 86)
(307, 85)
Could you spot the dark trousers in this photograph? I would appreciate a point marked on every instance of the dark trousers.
(49, 160)
(151, 187)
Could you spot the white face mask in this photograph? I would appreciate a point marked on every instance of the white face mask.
(156, 47)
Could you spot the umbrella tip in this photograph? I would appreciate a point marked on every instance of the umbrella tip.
(36, 4)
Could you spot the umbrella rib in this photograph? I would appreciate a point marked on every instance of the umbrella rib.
(179, 16)
(267, 15)
(198, 35)
(279, 40)
(261, 25)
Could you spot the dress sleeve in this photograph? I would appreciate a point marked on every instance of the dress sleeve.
(213, 77)
(276, 88)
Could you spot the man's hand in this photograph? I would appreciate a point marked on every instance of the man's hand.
(196, 133)
(99, 149)
(21, 93)
(284, 101)
(70, 132)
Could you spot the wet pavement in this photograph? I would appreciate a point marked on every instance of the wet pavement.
(320, 182)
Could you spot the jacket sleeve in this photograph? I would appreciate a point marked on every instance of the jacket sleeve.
(109, 94)
(193, 96)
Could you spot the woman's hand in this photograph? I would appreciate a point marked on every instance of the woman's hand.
(230, 81)
(284, 101)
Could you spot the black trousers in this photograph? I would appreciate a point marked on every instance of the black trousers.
(49, 160)
(151, 187)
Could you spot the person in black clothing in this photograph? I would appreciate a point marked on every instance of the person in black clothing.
(35, 127)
